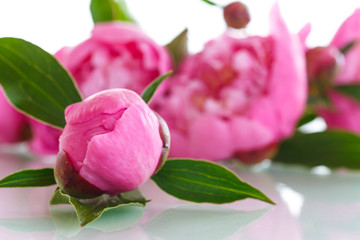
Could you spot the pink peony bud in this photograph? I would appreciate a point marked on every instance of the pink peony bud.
(112, 143)
(323, 63)
(236, 15)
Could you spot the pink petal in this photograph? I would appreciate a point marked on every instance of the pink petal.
(348, 31)
(123, 159)
(288, 83)
(209, 138)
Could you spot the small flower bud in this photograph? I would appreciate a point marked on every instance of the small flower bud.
(236, 15)
(323, 63)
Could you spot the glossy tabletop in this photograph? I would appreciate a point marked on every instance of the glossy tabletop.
(310, 204)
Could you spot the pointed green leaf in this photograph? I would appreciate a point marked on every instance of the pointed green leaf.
(29, 178)
(203, 181)
(178, 47)
(351, 90)
(110, 10)
(333, 149)
(152, 87)
(35, 82)
(88, 210)
(210, 2)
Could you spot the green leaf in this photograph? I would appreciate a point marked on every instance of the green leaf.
(109, 10)
(203, 181)
(333, 149)
(351, 90)
(178, 47)
(35, 82)
(348, 47)
(29, 178)
(307, 117)
(210, 2)
(88, 210)
(152, 87)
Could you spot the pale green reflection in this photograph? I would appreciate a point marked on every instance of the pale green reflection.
(331, 207)
(199, 222)
(335, 187)
(28, 224)
(67, 224)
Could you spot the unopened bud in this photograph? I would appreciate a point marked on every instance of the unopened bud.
(323, 63)
(236, 15)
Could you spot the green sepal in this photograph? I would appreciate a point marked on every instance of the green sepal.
(178, 48)
(150, 90)
(88, 210)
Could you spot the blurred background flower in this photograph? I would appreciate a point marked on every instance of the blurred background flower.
(239, 97)
(340, 68)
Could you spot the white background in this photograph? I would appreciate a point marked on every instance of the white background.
(52, 24)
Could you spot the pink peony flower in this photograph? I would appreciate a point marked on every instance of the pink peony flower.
(345, 112)
(111, 144)
(12, 123)
(117, 55)
(238, 97)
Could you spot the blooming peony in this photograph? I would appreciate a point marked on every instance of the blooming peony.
(237, 97)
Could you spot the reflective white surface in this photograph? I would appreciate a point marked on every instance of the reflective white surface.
(313, 204)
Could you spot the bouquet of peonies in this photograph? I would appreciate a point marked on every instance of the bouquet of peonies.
(110, 106)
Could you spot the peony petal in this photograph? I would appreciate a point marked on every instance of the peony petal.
(288, 83)
(348, 31)
(345, 114)
(350, 72)
(303, 34)
(114, 161)
(105, 102)
(45, 139)
(209, 138)
(11, 121)
(248, 134)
